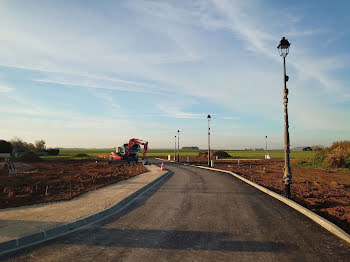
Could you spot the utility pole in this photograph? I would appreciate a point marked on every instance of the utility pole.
(178, 145)
(208, 117)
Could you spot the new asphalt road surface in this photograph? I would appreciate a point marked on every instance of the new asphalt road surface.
(196, 215)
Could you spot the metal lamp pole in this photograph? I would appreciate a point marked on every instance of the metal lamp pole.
(175, 150)
(287, 176)
(178, 145)
(208, 117)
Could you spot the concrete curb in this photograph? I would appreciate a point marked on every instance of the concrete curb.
(316, 218)
(42, 236)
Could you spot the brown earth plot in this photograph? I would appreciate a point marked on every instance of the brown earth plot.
(46, 181)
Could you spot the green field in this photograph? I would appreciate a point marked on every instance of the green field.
(239, 154)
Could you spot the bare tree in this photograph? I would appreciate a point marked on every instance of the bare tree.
(40, 145)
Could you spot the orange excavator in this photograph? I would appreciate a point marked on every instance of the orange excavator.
(129, 152)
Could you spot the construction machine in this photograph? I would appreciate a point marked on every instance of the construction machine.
(129, 152)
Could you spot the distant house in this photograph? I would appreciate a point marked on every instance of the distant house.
(191, 147)
(307, 148)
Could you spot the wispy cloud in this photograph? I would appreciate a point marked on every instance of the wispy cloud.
(5, 89)
(88, 84)
(229, 117)
(109, 100)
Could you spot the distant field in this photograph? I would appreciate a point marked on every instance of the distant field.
(70, 153)
(273, 154)
(238, 153)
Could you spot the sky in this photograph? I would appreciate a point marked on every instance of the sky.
(94, 74)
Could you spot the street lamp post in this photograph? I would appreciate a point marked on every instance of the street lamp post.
(283, 48)
(266, 148)
(175, 150)
(208, 117)
(178, 145)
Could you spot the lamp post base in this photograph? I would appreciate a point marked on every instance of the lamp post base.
(287, 190)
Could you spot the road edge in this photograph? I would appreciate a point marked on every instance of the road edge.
(69, 227)
(334, 229)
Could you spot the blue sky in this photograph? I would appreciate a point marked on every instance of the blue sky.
(96, 73)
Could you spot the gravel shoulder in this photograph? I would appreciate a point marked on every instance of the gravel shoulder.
(21, 221)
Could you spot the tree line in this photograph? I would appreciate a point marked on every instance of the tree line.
(18, 146)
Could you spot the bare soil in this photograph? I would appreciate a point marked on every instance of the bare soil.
(46, 181)
(325, 192)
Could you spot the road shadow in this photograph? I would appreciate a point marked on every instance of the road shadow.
(171, 239)
(139, 201)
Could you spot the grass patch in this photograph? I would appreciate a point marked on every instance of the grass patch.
(238, 154)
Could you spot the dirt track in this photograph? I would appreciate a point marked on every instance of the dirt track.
(322, 191)
(48, 181)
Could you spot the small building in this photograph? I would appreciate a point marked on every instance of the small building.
(190, 147)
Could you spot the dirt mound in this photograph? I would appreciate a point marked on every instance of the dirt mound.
(81, 155)
(336, 156)
(29, 157)
(220, 154)
(203, 156)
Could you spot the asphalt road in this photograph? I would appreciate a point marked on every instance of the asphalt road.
(197, 215)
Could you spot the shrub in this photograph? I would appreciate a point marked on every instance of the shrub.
(40, 146)
(317, 148)
(20, 146)
(5, 147)
(53, 151)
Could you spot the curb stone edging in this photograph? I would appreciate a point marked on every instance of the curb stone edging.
(51, 233)
(313, 216)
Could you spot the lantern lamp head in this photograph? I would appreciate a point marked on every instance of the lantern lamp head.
(283, 47)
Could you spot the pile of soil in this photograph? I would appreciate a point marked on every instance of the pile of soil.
(60, 180)
(221, 154)
(29, 157)
(81, 155)
(325, 192)
(203, 156)
(336, 156)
